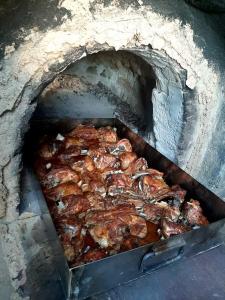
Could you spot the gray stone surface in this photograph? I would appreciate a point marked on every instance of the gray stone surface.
(39, 40)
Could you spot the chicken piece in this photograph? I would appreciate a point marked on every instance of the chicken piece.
(48, 150)
(59, 176)
(109, 227)
(108, 234)
(111, 233)
(86, 132)
(112, 202)
(154, 187)
(169, 228)
(136, 166)
(95, 217)
(129, 243)
(194, 214)
(137, 225)
(151, 236)
(82, 164)
(106, 161)
(96, 150)
(126, 159)
(75, 142)
(107, 134)
(72, 205)
(68, 154)
(154, 212)
(93, 255)
(179, 192)
(121, 146)
(63, 190)
(69, 233)
(96, 201)
(119, 180)
(119, 184)
(94, 186)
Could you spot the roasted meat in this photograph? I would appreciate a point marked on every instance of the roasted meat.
(194, 214)
(155, 212)
(104, 161)
(169, 228)
(104, 199)
(120, 147)
(65, 189)
(107, 134)
(86, 132)
(58, 176)
(127, 158)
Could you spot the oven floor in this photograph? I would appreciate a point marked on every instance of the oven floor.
(198, 278)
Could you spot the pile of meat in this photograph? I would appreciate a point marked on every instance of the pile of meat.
(104, 199)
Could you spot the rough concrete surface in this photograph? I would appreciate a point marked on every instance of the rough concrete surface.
(186, 54)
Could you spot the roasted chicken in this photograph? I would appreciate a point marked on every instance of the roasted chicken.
(104, 198)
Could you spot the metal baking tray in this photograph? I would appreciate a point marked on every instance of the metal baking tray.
(96, 277)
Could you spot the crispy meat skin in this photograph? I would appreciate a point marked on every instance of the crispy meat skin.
(170, 228)
(109, 226)
(62, 190)
(127, 158)
(154, 212)
(58, 176)
(86, 132)
(104, 199)
(107, 134)
(194, 214)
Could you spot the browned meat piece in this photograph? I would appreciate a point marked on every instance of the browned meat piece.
(129, 243)
(59, 176)
(109, 227)
(119, 184)
(121, 146)
(111, 233)
(93, 255)
(169, 228)
(69, 233)
(126, 159)
(95, 217)
(104, 161)
(137, 225)
(194, 214)
(68, 154)
(107, 134)
(154, 212)
(112, 202)
(86, 132)
(63, 190)
(108, 234)
(75, 142)
(119, 180)
(179, 192)
(48, 150)
(71, 205)
(154, 187)
(138, 165)
(95, 200)
(81, 164)
(96, 151)
(151, 236)
(94, 186)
